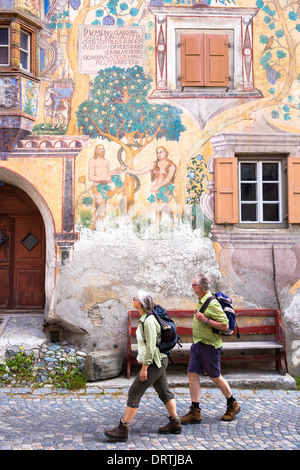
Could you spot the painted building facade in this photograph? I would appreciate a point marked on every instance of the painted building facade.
(143, 142)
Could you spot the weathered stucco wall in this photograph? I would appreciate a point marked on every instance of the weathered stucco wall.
(95, 287)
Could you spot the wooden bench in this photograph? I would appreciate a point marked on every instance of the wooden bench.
(261, 338)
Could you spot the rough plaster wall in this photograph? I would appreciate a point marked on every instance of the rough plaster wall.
(22, 330)
(96, 286)
(292, 335)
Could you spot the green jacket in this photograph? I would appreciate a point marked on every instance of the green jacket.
(151, 334)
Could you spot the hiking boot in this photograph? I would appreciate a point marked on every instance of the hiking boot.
(173, 427)
(120, 433)
(232, 410)
(192, 417)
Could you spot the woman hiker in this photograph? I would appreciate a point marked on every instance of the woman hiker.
(152, 373)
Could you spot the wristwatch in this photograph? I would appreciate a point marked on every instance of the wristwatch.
(207, 321)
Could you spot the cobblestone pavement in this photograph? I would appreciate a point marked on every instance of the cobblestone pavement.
(41, 419)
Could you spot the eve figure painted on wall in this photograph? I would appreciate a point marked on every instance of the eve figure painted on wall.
(163, 172)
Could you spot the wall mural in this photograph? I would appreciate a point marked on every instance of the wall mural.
(129, 117)
(30, 94)
(148, 160)
(114, 106)
(119, 110)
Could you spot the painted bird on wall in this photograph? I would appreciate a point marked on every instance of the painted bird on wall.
(269, 44)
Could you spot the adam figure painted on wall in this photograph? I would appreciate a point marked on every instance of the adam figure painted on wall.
(100, 174)
(163, 172)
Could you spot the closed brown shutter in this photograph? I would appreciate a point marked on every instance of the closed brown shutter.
(204, 59)
(216, 60)
(226, 190)
(192, 55)
(294, 190)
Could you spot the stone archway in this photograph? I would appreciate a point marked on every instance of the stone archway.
(15, 179)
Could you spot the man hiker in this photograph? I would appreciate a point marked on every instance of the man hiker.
(205, 352)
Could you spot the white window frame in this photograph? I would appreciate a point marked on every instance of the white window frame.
(170, 20)
(6, 46)
(180, 24)
(259, 199)
(26, 51)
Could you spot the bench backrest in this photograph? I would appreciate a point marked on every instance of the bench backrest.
(250, 322)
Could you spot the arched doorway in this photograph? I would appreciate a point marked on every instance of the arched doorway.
(22, 251)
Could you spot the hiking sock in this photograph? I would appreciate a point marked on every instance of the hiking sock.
(195, 405)
(230, 400)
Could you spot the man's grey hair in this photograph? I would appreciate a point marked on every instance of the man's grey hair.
(203, 281)
(146, 300)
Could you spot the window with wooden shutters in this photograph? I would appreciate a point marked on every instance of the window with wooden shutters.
(204, 53)
(254, 191)
(204, 60)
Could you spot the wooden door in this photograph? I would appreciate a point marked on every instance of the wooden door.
(22, 252)
(5, 261)
(29, 269)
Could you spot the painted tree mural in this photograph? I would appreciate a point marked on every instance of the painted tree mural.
(118, 110)
(65, 22)
(279, 55)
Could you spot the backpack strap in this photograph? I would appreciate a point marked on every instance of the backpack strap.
(156, 318)
(148, 315)
(206, 303)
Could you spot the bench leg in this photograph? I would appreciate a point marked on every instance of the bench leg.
(281, 362)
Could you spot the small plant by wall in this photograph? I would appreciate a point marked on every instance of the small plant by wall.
(54, 364)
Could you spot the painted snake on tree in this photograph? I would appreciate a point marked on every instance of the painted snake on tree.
(134, 177)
